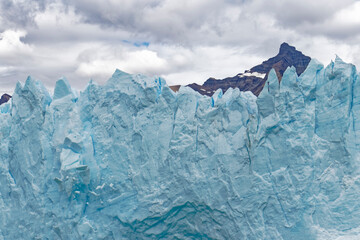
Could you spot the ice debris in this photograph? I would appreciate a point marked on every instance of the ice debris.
(134, 160)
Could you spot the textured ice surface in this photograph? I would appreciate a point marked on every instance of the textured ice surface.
(134, 160)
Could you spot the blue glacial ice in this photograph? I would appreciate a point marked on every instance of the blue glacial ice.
(131, 159)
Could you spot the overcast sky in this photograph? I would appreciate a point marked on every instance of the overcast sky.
(183, 41)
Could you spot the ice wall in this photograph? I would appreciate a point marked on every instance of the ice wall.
(134, 160)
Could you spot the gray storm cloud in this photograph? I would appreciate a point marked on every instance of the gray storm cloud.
(186, 41)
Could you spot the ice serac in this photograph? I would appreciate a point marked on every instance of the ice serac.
(131, 159)
(62, 89)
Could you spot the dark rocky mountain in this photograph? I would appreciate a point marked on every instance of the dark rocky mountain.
(175, 88)
(4, 98)
(254, 79)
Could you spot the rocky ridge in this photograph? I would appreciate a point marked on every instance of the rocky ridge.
(254, 79)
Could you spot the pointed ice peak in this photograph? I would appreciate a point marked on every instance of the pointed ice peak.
(216, 96)
(339, 65)
(136, 84)
(338, 59)
(119, 73)
(120, 77)
(290, 71)
(308, 78)
(218, 93)
(314, 64)
(62, 88)
(29, 80)
(19, 86)
(91, 83)
(271, 86)
(273, 79)
(36, 88)
(289, 80)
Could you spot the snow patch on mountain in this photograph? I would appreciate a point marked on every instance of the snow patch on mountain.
(252, 74)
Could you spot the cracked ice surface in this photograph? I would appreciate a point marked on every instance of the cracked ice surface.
(132, 159)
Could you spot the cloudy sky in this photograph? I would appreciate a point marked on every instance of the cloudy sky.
(184, 41)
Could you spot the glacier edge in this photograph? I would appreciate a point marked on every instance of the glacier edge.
(132, 159)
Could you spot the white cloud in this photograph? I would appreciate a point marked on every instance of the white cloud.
(103, 61)
(11, 45)
(177, 64)
(189, 41)
(349, 15)
(213, 61)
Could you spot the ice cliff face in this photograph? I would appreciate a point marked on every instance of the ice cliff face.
(134, 160)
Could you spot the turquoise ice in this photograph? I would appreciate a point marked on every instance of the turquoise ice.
(131, 159)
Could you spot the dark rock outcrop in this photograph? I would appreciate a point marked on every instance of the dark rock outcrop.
(175, 88)
(4, 98)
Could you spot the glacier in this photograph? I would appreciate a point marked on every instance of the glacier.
(131, 159)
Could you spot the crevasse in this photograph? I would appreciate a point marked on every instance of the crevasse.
(133, 160)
